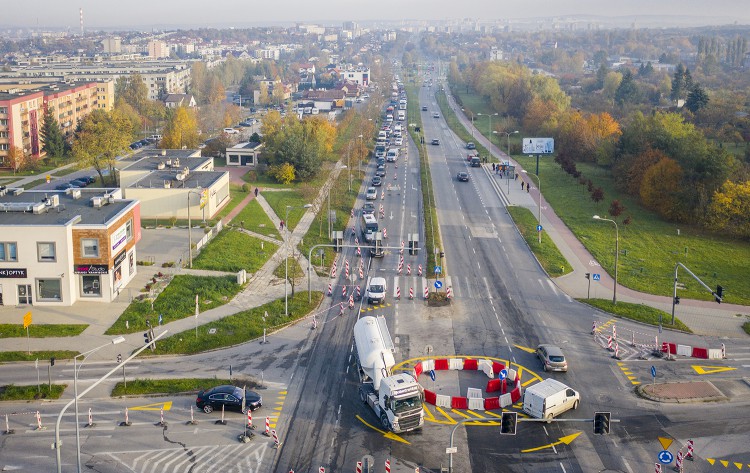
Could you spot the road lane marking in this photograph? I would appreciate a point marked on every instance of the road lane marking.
(567, 440)
(712, 369)
(388, 435)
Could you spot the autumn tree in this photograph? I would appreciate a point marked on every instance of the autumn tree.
(729, 210)
(616, 208)
(597, 195)
(302, 143)
(15, 159)
(52, 137)
(102, 136)
(660, 189)
(181, 130)
(283, 173)
(133, 91)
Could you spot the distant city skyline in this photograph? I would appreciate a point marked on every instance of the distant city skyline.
(223, 13)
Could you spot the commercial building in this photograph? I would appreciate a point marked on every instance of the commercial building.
(57, 248)
(244, 154)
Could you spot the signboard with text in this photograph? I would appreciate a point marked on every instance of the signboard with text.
(19, 273)
(538, 145)
(91, 269)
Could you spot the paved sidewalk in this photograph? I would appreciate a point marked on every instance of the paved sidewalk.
(703, 317)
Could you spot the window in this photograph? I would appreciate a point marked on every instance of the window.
(48, 289)
(3, 109)
(4, 121)
(91, 286)
(233, 158)
(90, 247)
(8, 251)
(129, 229)
(46, 251)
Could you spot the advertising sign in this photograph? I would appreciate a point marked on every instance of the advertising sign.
(538, 145)
(18, 273)
(91, 269)
(118, 237)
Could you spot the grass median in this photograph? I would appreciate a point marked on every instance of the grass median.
(11, 392)
(6, 356)
(232, 251)
(41, 330)
(240, 327)
(553, 262)
(139, 387)
(254, 219)
(638, 312)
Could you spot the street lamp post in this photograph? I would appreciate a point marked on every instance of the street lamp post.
(472, 121)
(617, 252)
(286, 259)
(489, 116)
(539, 188)
(190, 228)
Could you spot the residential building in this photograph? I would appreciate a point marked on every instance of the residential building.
(112, 45)
(179, 100)
(158, 49)
(244, 154)
(57, 248)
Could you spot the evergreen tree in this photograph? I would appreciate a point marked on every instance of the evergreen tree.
(696, 99)
(53, 140)
(678, 82)
(627, 92)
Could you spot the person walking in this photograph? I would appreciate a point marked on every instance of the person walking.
(522, 184)
(256, 192)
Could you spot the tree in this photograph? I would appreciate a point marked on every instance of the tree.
(660, 189)
(283, 173)
(52, 137)
(15, 159)
(697, 99)
(133, 91)
(597, 195)
(627, 92)
(102, 137)
(181, 130)
(616, 208)
(729, 209)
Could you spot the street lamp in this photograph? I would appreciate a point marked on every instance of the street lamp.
(489, 116)
(539, 188)
(507, 135)
(286, 260)
(617, 252)
(472, 121)
(190, 226)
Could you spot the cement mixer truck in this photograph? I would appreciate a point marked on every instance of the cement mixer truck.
(396, 399)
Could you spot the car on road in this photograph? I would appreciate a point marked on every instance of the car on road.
(435, 141)
(471, 145)
(368, 208)
(380, 171)
(377, 181)
(231, 131)
(435, 115)
(371, 193)
(398, 141)
(228, 396)
(424, 108)
(463, 176)
(552, 358)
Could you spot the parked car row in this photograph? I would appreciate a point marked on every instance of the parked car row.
(76, 183)
(144, 142)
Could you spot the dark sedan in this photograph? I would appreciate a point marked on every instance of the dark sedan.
(228, 396)
(463, 176)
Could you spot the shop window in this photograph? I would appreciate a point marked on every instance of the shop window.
(8, 251)
(129, 229)
(90, 247)
(46, 251)
(91, 286)
(49, 289)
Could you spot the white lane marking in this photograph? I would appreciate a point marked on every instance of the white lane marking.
(562, 467)
(627, 465)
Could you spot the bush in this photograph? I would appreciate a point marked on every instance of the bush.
(245, 187)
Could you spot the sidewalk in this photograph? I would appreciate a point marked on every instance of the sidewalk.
(262, 287)
(703, 317)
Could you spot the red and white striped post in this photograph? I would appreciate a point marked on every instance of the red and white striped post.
(419, 270)
(382, 195)
(359, 467)
(359, 293)
(161, 416)
(426, 292)
(388, 465)
(91, 419)
(449, 293)
(617, 350)
(275, 436)
(343, 292)
(361, 273)
(408, 270)
(127, 419)
(632, 342)
(341, 308)
(7, 426)
(267, 433)
(401, 251)
(351, 301)
(385, 233)
(678, 462)
(352, 214)
(321, 470)
(359, 251)
(689, 455)
(593, 327)
(723, 351)
(250, 420)
(411, 293)
(614, 332)
(398, 292)
(39, 421)
(657, 468)
(330, 289)
(356, 240)
(609, 343)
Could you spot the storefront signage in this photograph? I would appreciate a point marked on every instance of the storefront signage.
(118, 237)
(120, 258)
(91, 269)
(16, 273)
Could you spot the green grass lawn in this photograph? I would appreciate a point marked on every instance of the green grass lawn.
(474, 104)
(11, 392)
(281, 199)
(553, 262)
(254, 218)
(42, 330)
(142, 387)
(236, 194)
(177, 301)
(639, 312)
(239, 328)
(36, 355)
(231, 250)
(34, 183)
(295, 270)
(649, 247)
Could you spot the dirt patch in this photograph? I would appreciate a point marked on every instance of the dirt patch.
(694, 391)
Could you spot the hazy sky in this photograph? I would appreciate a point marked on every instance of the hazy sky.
(109, 13)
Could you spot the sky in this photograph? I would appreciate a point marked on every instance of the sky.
(218, 13)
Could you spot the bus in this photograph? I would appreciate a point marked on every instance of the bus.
(369, 227)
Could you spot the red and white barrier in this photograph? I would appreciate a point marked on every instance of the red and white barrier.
(593, 327)
(351, 301)
(267, 433)
(250, 420)
(419, 270)
(401, 251)
(361, 273)
(400, 268)
(275, 437)
(330, 288)
(91, 419)
(352, 214)
(411, 293)
(39, 421)
(385, 233)
(343, 292)
(321, 470)
(359, 293)
(408, 270)
(382, 195)
(341, 308)
(657, 468)
(426, 292)
(617, 351)
(359, 251)
(614, 332)
(689, 455)
(609, 343)
(398, 292)
(388, 465)
(678, 461)
(359, 467)
(693, 352)
(449, 293)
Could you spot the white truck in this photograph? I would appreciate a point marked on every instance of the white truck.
(549, 399)
(376, 287)
(396, 399)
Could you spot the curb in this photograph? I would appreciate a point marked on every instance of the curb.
(640, 391)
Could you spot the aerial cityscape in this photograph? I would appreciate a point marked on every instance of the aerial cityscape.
(395, 237)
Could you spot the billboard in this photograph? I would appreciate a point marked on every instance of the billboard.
(538, 145)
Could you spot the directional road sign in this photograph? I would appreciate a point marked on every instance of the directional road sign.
(666, 457)
(653, 371)
(438, 269)
(438, 284)
(539, 228)
(596, 276)
(502, 374)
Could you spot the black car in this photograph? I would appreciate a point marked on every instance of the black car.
(380, 171)
(64, 186)
(228, 396)
(435, 141)
(471, 145)
(88, 179)
(377, 181)
(463, 176)
(80, 182)
(368, 208)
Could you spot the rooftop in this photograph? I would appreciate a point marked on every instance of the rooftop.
(38, 207)
(170, 161)
(251, 145)
(193, 180)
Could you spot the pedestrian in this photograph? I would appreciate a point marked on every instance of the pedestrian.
(516, 178)
(281, 225)
(493, 167)
(522, 184)
(527, 188)
(256, 192)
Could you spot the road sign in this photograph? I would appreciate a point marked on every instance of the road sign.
(502, 374)
(665, 442)
(538, 146)
(438, 269)
(596, 276)
(653, 371)
(432, 375)
(27, 319)
(666, 457)
(438, 284)
(450, 450)
(539, 228)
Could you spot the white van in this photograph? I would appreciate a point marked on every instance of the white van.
(376, 288)
(549, 399)
(392, 155)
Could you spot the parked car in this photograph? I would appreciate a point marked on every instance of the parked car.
(80, 182)
(463, 176)
(552, 358)
(135, 146)
(88, 179)
(64, 186)
(228, 396)
(371, 194)
(231, 131)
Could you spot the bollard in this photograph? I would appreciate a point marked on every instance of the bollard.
(657, 468)
(91, 420)
(361, 273)
(343, 292)
(330, 289)
(385, 233)
(609, 343)
(315, 323)
(250, 420)
(678, 462)
(8, 430)
(723, 351)
(388, 465)
(617, 351)
(614, 332)
(419, 270)
(161, 422)
(593, 327)
(398, 292)
(401, 251)
(341, 308)
(321, 470)
(689, 455)
(359, 467)
(267, 433)
(126, 423)
(221, 421)
(632, 343)
(411, 293)
(276, 443)
(351, 301)
(192, 418)
(39, 425)
(426, 292)
(408, 270)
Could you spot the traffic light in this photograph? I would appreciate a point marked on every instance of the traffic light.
(719, 294)
(52, 361)
(119, 358)
(676, 299)
(147, 337)
(588, 275)
(601, 422)
(508, 423)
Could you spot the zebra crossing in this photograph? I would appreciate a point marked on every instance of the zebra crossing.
(228, 458)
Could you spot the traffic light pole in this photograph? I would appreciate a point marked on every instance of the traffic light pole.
(718, 294)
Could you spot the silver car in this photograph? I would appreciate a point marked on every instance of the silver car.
(552, 358)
